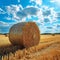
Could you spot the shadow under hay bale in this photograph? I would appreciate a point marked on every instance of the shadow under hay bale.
(24, 34)
(5, 51)
(53, 34)
(5, 35)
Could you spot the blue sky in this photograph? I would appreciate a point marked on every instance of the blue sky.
(46, 13)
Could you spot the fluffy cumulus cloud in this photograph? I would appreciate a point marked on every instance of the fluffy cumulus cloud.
(43, 15)
(3, 23)
(26, 12)
(58, 15)
(12, 11)
(58, 25)
(18, 0)
(36, 3)
(57, 2)
(46, 15)
(18, 13)
(36, 11)
(2, 11)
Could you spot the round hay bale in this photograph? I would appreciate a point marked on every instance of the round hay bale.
(25, 34)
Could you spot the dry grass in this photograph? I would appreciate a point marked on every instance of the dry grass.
(47, 49)
(4, 41)
(47, 38)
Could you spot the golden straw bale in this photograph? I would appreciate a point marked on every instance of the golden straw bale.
(25, 34)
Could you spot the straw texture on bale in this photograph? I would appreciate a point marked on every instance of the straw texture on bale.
(25, 34)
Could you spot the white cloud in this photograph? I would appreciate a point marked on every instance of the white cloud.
(12, 11)
(29, 16)
(8, 18)
(57, 2)
(14, 8)
(40, 15)
(50, 14)
(37, 2)
(19, 14)
(28, 6)
(44, 7)
(2, 11)
(27, 12)
(52, 1)
(3, 23)
(18, 0)
(53, 15)
(21, 7)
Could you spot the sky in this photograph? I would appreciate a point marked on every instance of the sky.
(46, 14)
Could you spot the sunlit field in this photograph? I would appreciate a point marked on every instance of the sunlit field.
(47, 49)
(4, 40)
(47, 38)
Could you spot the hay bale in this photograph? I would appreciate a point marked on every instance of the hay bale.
(24, 34)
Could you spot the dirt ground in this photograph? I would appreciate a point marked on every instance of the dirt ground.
(47, 49)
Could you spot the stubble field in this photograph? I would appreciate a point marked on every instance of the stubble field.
(47, 49)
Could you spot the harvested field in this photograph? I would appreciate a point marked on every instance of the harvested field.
(47, 49)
